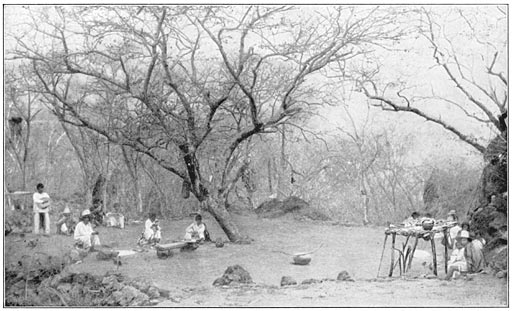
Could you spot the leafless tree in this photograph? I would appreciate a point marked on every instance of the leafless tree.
(471, 51)
(185, 83)
(20, 112)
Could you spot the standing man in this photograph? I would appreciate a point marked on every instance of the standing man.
(41, 209)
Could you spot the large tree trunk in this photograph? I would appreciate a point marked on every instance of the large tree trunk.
(218, 210)
(216, 201)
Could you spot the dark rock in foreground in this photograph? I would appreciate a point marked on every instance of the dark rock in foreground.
(234, 274)
(344, 277)
(287, 281)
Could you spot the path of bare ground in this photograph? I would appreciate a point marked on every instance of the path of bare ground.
(357, 250)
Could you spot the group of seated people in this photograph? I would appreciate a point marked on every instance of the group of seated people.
(152, 232)
(466, 245)
(87, 238)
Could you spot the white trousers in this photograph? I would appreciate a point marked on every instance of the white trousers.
(88, 241)
(46, 222)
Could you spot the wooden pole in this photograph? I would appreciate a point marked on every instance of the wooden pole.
(382, 254)
(434, 257)
(412, 253)
(392, 255)
(445, 231)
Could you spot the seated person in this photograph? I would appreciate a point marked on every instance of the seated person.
(474, 253)
(412, 220)
(66, 224)
(196, 230)
(151, 233)
(457, 262)
(85, 236)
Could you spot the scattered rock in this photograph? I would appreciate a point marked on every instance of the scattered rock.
(153, 292)
(164, 293)
(219, 243)
(287, 281)
(164, 254)
(344, 277)
(501, 274)
(310, 281)
(233, 274)
(327, 280)
(141, 284)
(129, 296)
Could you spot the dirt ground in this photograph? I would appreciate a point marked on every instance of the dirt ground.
(189, 275)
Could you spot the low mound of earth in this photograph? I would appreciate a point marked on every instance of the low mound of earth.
(291, 205)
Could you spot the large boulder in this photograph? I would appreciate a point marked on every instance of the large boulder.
(234, 275)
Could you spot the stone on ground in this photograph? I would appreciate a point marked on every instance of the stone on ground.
(233, 274)
(287, 281)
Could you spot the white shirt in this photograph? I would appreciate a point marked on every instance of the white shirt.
(195, 229)
(148, 226)
(457, 256)
(83, 230)
(39, 204)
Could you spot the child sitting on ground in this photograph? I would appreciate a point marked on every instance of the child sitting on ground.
(152, 233)
(457, 261)
(66, 224)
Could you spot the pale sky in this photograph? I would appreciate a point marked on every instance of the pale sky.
(431, 138)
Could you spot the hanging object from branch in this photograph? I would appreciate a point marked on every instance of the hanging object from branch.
(185, 190)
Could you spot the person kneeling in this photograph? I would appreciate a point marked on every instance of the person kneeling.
(85, 236)
(152, 233)
(458, 261)
(196, 230)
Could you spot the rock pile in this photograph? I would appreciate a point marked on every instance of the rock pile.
(46, 281)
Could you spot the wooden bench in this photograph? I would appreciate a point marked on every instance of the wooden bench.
(165, 250)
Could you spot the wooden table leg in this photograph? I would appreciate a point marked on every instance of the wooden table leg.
(434, 255)
(392, 255)
(412, 253)
(445, 231)
(382, 254)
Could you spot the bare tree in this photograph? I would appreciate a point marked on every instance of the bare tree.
(475, 69)
(368, 150)
(185, 83)
(20, 112)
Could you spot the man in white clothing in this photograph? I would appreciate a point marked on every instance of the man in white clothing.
(196, 229)
(41, 209)
(85, 236)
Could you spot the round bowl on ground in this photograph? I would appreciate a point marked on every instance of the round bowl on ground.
(301, 259)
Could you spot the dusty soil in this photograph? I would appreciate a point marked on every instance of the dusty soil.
(189, 275)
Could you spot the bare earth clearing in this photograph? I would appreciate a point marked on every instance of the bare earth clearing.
(189, 275)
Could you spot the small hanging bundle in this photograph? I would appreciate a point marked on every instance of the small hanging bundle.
(185, 190)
